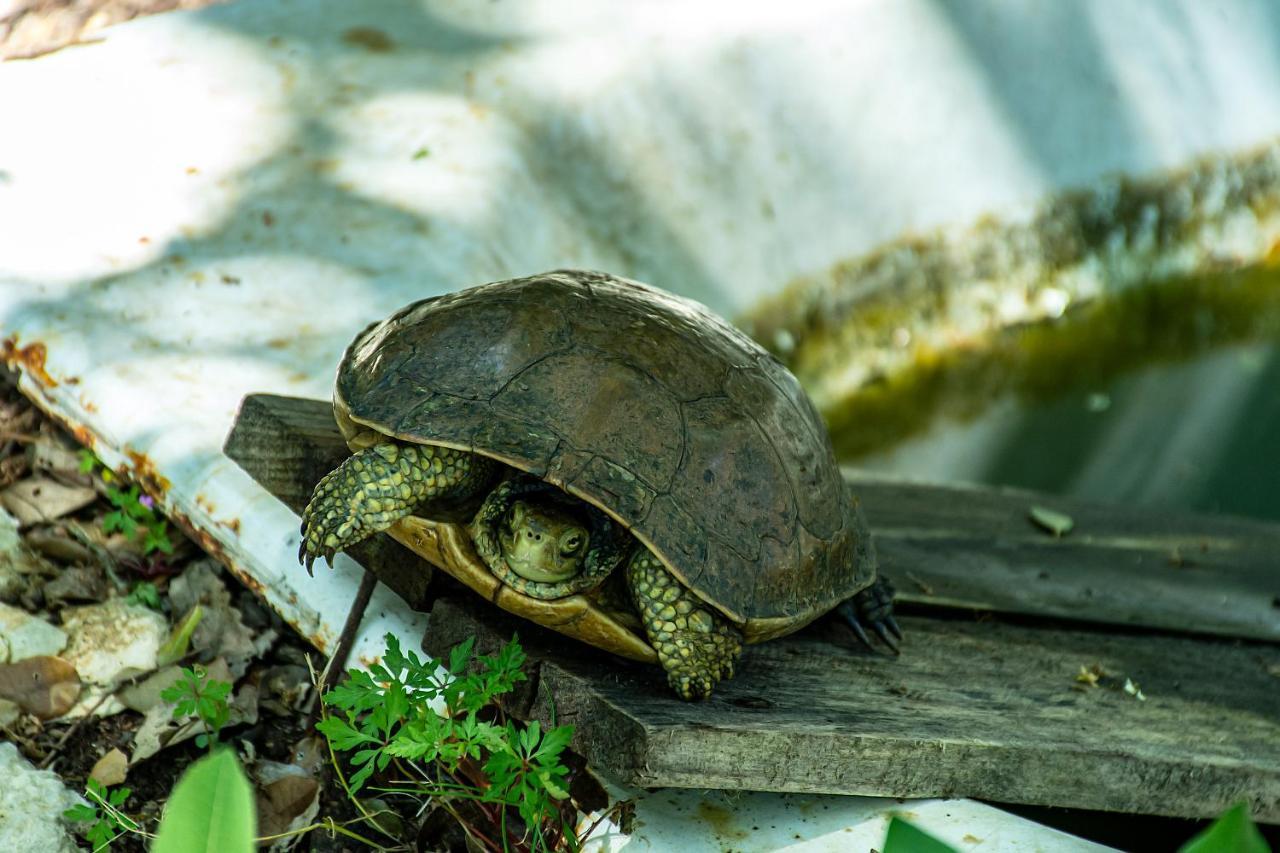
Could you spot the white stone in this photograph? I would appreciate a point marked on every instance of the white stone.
(31, 805)
(109, 642)
(25, 636)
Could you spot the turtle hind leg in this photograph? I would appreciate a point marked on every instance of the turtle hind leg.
(376, 487)
(696, 646)
(872, 606)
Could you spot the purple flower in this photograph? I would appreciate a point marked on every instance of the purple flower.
(147, 501)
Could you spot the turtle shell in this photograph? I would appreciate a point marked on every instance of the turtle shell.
(643, 403)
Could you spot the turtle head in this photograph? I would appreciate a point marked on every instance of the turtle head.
(544, 543)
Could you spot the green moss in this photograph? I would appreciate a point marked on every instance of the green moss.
(1165, 321)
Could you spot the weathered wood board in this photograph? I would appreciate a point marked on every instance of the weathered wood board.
(945, 545)
(976, 547)
(972, 709)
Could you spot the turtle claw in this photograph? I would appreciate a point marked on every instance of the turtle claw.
(851, 619)
(885, 635)
(873, 607)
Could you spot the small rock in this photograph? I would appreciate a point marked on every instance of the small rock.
(76, 583)
(27, 636)
(110, 769)
(109, 642)
(31, 806)
(9, 712)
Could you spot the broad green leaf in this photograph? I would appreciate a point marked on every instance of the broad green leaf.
(1232, 832)
(902, 837)
(211, 809)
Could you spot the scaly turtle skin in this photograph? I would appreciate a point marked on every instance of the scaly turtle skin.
(621, 437)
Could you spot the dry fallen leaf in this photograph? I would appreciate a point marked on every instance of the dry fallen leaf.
(111, 769)
(49, 453)
(45, 686)
(286, 793)
(38, 500)
(1089, 675)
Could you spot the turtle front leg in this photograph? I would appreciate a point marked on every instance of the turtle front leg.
(380, 485)
(696, 646)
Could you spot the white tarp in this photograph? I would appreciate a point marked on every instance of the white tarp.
(203, 205)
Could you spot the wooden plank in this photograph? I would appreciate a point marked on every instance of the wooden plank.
(976, 547)
(287, 444)
(985, 710)
(942, 545)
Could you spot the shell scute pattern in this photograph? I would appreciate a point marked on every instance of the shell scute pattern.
(574, 395)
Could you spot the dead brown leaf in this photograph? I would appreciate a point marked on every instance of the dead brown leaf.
(50, 454)
(77, 584)
(286, 794)
(40, 500)
(45, 686)
(57, 544)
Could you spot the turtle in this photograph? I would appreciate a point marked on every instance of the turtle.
(607, 459)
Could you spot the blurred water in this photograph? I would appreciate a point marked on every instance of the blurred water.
(1204, 435)
(1197, 431)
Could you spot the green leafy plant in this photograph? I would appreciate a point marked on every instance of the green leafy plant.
(106, 822)
(146, 594)
(409, 710)
(134, 514)
(198, 695)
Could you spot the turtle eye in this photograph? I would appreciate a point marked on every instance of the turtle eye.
(571, 543)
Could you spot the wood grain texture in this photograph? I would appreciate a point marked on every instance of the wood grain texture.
(970, 709)
(977, 547)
